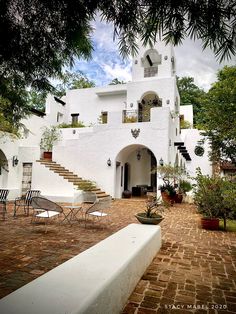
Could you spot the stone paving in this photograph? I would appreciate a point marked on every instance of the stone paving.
(194, 272)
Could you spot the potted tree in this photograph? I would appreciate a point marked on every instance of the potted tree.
(170, 175)
(215, 198)
(183, 187)
(152, 214)
(50, 136)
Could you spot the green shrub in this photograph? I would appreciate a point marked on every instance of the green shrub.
(79, 124)
(215, 197)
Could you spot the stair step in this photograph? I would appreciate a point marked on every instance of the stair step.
(70, 176)
(102, 195)
(67, 174)
(62, 171)
(55, 168)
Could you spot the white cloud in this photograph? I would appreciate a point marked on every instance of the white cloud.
(107, 63)
(201, 65)
(118, 71)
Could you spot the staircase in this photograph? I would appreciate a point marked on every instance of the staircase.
(70, 176)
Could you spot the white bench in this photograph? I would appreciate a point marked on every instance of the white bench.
(99, 280)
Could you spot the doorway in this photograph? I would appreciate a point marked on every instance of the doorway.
(27, 177)
(126, 176)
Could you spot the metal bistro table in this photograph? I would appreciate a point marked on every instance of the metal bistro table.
(72, 214)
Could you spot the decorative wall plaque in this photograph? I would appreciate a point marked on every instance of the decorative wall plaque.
(199, 151)
(135, 132)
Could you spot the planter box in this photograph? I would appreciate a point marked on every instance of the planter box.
(167, 198)
(210, 223)
(47, 155)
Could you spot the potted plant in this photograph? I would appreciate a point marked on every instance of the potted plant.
(152, 213)
(50, 136)
(168, 193)
(170, 175)
(209, 200)
(183, 187)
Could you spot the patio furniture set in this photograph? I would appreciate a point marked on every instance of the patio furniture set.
(45, 208)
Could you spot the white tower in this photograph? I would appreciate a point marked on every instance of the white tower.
(157, 61)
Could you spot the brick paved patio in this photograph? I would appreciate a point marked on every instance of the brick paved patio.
(194, 266)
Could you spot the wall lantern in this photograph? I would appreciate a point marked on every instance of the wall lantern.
(109, 162)
(138, 155)
(15, 161)
(161, 162)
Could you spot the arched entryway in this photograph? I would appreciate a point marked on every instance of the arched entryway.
(3, 170)
(148, 101)
(134, 165)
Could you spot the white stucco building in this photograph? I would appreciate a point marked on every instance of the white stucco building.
(141, 126)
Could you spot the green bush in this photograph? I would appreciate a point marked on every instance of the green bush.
(215, 197)
(184, 186)
(79, 124)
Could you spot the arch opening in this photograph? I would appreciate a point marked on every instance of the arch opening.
(134, 164)
(3, 170)
(149, 100)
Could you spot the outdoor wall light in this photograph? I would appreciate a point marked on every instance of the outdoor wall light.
(161, 162)
(15, 161)
(109, 162)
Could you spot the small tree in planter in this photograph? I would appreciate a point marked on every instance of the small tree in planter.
(184, 187)
(215, 198)
(171, 177)
(152, 214)
(50, 136)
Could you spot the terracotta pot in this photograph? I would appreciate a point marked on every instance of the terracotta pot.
(149, 220)
(167, 198)
(178, 198)
(47, 155)
(126, 194)
(210, 223)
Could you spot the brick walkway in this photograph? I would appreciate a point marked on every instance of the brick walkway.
(194, 272)
(194, 266)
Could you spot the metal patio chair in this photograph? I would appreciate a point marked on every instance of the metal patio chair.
(25, 201)
(97, 209)
(3, 202)
(46, 209)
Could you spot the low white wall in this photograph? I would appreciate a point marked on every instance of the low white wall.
(97, 281)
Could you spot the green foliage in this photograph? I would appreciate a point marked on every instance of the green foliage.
(13, 105)
(79, 124)
(130, 119)
(219, 115)
(170, 176)
(185, 124)
(116, 81)
(190, 94)
(184, 186)
(87, 185)
(50, 136)
(70, 80)
(231, 225)
(215, 197)
(37, 99)
(154, 205)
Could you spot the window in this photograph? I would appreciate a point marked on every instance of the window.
(59, 117)
(74, 118)
(104, 117)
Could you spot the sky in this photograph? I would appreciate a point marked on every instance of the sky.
(107, 64)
